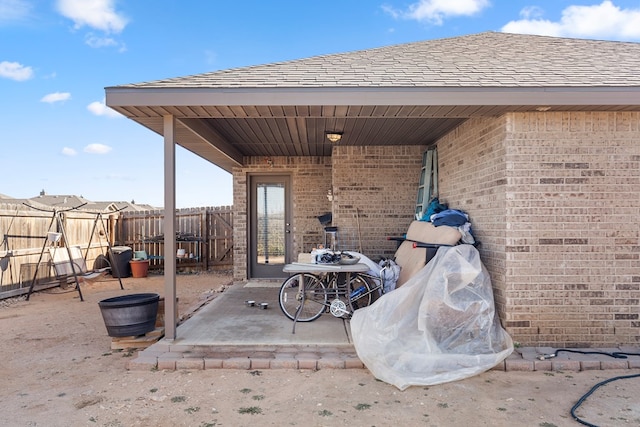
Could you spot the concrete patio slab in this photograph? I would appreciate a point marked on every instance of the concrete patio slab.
(228, 334)
(229, 321)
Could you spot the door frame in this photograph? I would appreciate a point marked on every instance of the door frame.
(252, 180)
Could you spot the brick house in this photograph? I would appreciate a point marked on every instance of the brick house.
(538, 139)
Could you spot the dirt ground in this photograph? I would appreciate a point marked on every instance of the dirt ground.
(58, 369)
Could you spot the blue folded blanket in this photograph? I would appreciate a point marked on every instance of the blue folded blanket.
(450, 217)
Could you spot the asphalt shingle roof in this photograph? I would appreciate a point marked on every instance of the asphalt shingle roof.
(489, 59)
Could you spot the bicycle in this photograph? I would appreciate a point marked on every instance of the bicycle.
(305, 296)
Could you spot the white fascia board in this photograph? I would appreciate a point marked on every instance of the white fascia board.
(132, 97)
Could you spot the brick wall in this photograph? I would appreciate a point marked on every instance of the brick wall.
(311, 180)
(375, 192)
(472, 177)
(372, 187)
(569, 188)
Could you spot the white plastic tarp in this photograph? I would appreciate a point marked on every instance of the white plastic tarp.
(440, 326)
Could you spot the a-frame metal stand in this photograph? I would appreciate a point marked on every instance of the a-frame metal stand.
(56, 218)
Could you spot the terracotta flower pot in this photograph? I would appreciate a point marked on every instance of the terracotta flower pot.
(139, 267)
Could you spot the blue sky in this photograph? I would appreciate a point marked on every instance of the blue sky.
(57, 56)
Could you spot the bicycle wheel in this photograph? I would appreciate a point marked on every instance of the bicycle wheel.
(360, 291)
(308, 308)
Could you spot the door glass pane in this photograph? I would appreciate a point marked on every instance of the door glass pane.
(270, 223)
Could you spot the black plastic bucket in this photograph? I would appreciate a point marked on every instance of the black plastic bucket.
(130, 315)
(120, 257)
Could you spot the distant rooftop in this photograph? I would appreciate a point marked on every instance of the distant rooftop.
(50, 201)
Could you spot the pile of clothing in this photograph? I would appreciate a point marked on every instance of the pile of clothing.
(440, 214)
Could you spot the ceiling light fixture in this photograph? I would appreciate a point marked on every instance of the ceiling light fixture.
(334, 136)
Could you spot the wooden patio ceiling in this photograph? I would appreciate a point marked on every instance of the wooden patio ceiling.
(223, 135)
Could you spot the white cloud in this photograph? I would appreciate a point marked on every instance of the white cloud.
(531, 12)
(435, 11)
(15, 71)
(100, 109)
(534, 26)
(390, 10)
(604, 20)
(96, 41)
(98, 14)
(56, 97)
(14, 10)
(97, 149)
(69, 151)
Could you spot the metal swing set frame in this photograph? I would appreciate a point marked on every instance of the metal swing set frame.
(69, 266)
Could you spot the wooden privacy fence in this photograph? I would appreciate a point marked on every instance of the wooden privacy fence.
(204, 236)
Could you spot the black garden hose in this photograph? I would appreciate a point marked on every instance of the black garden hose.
(590, 392)
(615, 354)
